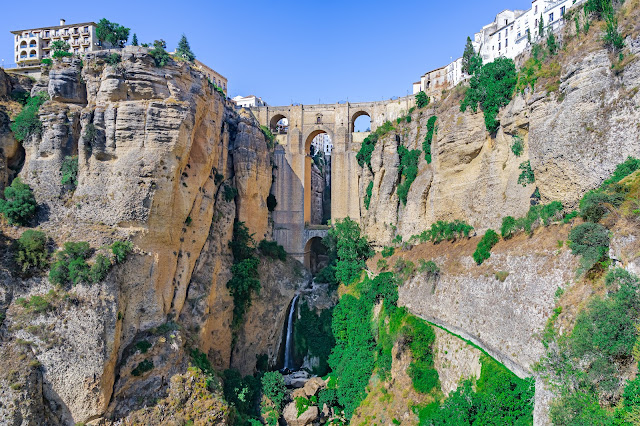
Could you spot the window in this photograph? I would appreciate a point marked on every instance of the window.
(519, 34)
(86, 29)
(506, 22)
(86, 49)
(506, 32)
(506, 42)
(550, 17)
(536, 10)
(499, 46)
(46, 33)
(536, 23)
(66, 31)
(499, 34)
(562, 10)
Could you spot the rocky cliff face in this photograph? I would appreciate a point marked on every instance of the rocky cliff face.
(157, 149)
(573, 137)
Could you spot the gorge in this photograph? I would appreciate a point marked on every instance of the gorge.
(173, 257)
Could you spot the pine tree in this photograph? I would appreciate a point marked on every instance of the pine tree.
(469, 52)
(184, 51)
(541, 27)
(134, 40)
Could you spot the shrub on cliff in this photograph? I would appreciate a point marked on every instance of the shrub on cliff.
(422, 100)
(27, 122)
(408, 169)
(19, 204)
(368, 194)
(368, 145)
(491, 88)
(244, 281)
(273, 250)
(591, 242)
(483, 250)
(31, 250)
(428, 139)
(69, 170)
(526, 176)
(160, 56)
(273, 387)
(121, 250)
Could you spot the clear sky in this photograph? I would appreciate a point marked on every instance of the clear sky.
(289, 51)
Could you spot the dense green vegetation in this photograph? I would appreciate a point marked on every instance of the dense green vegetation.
(351, 249)
(483, 250)
(422, 100)
(244, 282)
(584, 365)
(121, 250)
(273, 250)
(241, 393)
(274, 390)
(19, 205)
(408, 169)
(367, 195)
(369, 144)
(31, 250)
(27, 123)
(70, 265)
(517, 147)
(388, 251)
(491, 87)
(113, 59)
(445, 231)
(60, 49)
(314, 336)
(159, 54)
(499, 398)
(112, 33)
(591, 242)
(526, 176)
(539, 213)
(428, 139)
(420, 337)
(69, 170)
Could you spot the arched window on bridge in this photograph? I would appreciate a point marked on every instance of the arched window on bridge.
(315, 255)
(361, 122)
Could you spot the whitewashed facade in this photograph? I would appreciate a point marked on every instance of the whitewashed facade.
(250, 101)
(323, 143)
(506, 37)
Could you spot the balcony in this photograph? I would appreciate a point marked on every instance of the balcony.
(85, 41)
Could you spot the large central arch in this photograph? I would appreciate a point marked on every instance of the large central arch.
(307, 171)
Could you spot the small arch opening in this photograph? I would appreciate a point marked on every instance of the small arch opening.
(279, 125)
(315, 255)
(361, 122)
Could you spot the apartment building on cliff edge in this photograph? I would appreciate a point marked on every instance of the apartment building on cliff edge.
(31, 46)
(507, 36)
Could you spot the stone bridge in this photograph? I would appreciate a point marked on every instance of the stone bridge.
(292, 186)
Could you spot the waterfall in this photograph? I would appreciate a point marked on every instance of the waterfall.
(288, 362)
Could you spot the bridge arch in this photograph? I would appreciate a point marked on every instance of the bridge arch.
(277, 128)
(357, 115)
(315, 255)
(308, 164)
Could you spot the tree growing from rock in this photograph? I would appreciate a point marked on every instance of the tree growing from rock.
(19, 204)
(112, 33)
(471, 61)
(134, 40)
(184, 50)
(541, 27)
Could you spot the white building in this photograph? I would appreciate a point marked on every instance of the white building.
(33, 45)
(323, 143)
(506, 36)
(250, 101)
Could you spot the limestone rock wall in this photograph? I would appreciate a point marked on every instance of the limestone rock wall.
(573, 138)
(156, 149)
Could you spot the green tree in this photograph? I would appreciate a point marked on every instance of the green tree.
(491, 88)
(351, 247)
(184, 51)
(121, 250)
(591, 241)
(273, 387)
(19, 205)
(100, 268)
(27, 121)
(471, 61)
(112, 33)
(422, 100)
(541, 27)
(60, 48)
(32, 250)
(134, 40)
(69, 169)
(159, 54)
(483, 250)
(552, 44)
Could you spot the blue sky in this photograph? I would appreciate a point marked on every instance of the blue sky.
(290, 51)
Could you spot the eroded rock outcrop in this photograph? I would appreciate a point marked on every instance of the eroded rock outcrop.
(156, 149)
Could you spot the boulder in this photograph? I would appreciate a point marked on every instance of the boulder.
(290, 415)
(313, 385)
